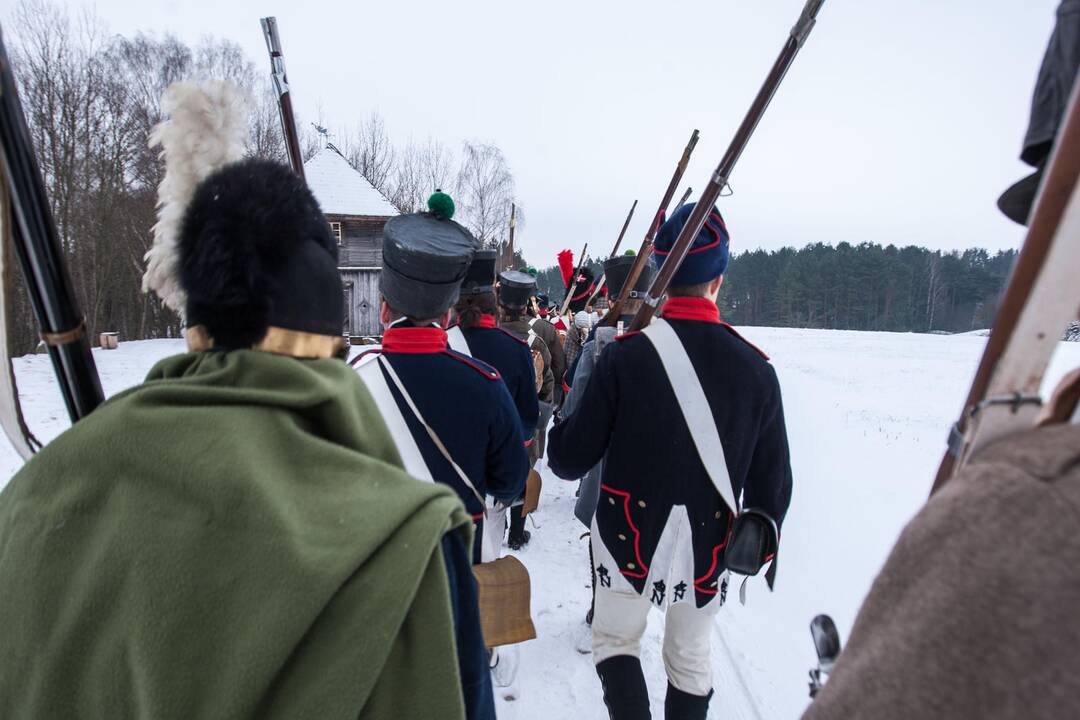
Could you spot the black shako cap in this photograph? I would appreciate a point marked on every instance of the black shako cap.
(581, 292)
(515, 289)
(255, 251)
(480, 277)
(617, 269)
(424, 261)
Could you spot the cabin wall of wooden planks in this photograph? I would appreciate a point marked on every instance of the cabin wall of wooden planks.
(360, 262)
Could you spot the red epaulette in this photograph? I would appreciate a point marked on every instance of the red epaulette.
(364, 354)
(515, 336)
(754, 347)
(489, 372)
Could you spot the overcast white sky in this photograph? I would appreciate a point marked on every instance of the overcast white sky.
(900, 122)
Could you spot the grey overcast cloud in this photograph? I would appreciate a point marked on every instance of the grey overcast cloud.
(899, 123)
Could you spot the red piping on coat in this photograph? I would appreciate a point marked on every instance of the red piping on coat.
(715, 560)
(633, 528)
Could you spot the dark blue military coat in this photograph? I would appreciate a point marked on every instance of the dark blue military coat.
(509, 354)
(629, 418)
(467, 404)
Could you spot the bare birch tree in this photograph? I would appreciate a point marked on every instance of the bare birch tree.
(484, 192)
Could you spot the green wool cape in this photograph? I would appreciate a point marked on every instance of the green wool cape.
(233, 538)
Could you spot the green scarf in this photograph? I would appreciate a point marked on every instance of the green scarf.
(233, 538)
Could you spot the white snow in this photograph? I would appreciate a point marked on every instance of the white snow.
(341, 190)
(867, 415)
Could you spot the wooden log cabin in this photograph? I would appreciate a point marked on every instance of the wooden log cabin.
(356, 212)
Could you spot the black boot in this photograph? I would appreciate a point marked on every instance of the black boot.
(625, 693)
(679, 705)
(518, 542)
(519, 536)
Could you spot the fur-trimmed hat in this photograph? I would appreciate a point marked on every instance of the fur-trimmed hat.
(256, 252)
(708, 256)
(241, 249)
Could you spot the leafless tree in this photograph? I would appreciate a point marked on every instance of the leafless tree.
(91, 100)
(370, 151)
(419, 170)
(438, 164)
(485, 191)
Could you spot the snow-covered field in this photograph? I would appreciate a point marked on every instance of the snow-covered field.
(867, 415)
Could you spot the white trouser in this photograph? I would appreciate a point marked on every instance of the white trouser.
(494, 528)
(619, 622)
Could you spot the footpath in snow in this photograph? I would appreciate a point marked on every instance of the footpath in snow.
(867, 416)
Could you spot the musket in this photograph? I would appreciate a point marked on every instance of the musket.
(1040, 299)
(281, 87)
(614, 251)
(509, 265)
(615, 309)
(37, 245)
(719, 180)
(574, 282)
(682, 200)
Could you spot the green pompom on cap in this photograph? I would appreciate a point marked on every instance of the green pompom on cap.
(630, 253)
(532, 271)
(441, 204)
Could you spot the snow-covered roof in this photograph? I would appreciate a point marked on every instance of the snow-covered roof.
(341, 190)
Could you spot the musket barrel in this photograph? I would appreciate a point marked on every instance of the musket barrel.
(646, 245)
(682, 200)
(281, 85)
(614, 252)
(574, 281)
(722, 174)
(37, 246)
(622, 233)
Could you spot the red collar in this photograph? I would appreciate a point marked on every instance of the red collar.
(487, 321)
(691, 308)
(414, 340)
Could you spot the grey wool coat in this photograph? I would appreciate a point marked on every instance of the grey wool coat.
(976, 613)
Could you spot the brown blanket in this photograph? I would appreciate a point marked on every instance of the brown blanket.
(976, 613)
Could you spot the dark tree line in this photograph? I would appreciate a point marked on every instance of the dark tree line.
(866, 287)
(857, 287)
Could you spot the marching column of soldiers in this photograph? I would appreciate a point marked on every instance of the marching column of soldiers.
(261, 530)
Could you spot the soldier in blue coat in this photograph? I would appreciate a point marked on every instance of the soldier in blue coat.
(515, 290)
(477, 333)
(451, 415)
(668, 492)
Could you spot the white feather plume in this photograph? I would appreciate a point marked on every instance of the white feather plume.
(207, 128)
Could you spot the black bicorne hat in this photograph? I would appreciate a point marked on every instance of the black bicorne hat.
(480, 277)
(425, 257)
(583, 290)
(617, 269)
(515, 289)
(256, 258)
